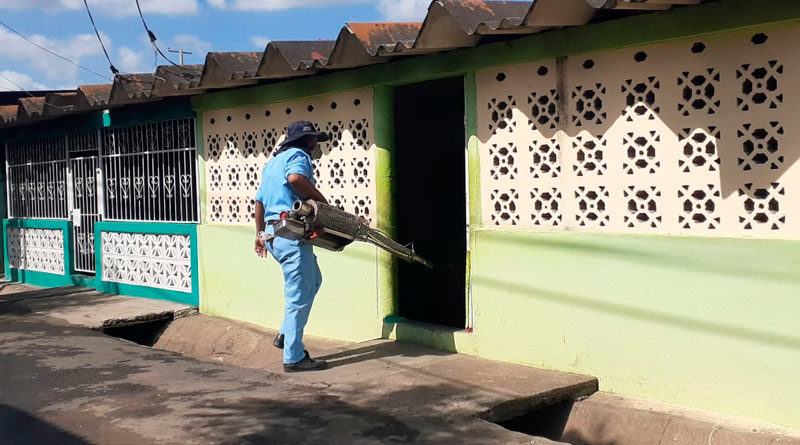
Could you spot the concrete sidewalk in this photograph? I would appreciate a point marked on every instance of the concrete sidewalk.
(85, 307)
(408, 377)
(229, 374)
(74, 384)
(404, 377)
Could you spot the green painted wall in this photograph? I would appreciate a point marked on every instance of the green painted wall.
(710, 323)
(237, 284)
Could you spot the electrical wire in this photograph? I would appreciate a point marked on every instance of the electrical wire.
(28, 92)
(152, 35)
(91, 19)
(51, 52)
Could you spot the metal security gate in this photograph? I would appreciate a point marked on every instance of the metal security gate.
(145, 173)
(84, 193)
(85, 211)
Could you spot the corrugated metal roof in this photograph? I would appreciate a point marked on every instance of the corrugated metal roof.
(293, 58)
(93, 96)
(361, 44)
(8, 114)
(131, 88)
(30, 108)
(650, 5)
(449, 24)
(229, 69)
(452, 24)
(171, 80)
(59, 104)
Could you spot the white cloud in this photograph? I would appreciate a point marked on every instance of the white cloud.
(403, 10)
(129, 60)
(277, 5)
(23, 80)
(260, 42)
(116, 8)
(75, 47)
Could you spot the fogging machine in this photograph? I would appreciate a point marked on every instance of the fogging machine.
(331, 228)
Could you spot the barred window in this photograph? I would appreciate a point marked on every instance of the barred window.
(150, 172)
(37, 178)
(144, 172)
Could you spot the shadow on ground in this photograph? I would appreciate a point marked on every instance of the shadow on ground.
(44, 300)
(21, 428)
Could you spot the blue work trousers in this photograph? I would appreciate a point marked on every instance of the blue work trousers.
(301, 281)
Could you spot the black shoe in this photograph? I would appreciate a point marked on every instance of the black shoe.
(307, 364)
(278, 342)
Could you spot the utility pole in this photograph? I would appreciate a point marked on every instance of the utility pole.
(180, 53)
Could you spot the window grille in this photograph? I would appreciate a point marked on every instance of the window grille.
(37, 178)
(144, 172)
(150, 172)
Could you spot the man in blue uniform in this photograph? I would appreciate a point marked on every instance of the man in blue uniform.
(287, 177)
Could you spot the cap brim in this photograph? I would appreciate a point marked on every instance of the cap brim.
(321, 136)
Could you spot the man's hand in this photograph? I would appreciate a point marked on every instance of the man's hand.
(260, 247)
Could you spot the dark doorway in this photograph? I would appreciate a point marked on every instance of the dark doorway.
(431, 199)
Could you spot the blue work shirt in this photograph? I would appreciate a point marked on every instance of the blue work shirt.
(275, 193)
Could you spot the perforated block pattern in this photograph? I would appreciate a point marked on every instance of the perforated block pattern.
(690, 137)
(153, 260)
(238, 142)
(40, 250)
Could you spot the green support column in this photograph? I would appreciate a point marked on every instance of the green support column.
(473, 177)
(3, 200)
(384, 157)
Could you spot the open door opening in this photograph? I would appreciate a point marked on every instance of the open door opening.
(431, 199)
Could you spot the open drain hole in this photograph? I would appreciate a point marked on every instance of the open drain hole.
(547, 421)
(539, 416)
(145, 333)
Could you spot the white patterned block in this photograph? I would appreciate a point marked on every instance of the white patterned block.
(151, 260)
(40, 250)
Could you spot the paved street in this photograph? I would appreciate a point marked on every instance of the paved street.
(66, 384)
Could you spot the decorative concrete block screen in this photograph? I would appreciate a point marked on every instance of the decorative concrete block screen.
(161, 261)
(40, 250)
(238, 142)
(694, 137)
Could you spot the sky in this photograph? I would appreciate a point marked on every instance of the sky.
(196, 25)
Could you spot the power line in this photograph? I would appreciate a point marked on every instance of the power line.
(17, 85)
(91, 19)
(28, 92)
(51, 52)
(151, 35)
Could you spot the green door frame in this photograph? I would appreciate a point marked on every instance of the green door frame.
(384, 115)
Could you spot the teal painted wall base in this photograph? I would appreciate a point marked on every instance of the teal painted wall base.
(37, 278)
(70, 278)
(191, 298)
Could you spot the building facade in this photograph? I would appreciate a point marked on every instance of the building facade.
(616, 199)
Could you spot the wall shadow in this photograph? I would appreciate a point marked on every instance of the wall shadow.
(640, 314)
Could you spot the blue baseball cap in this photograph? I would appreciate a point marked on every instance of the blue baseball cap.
(300, 129)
